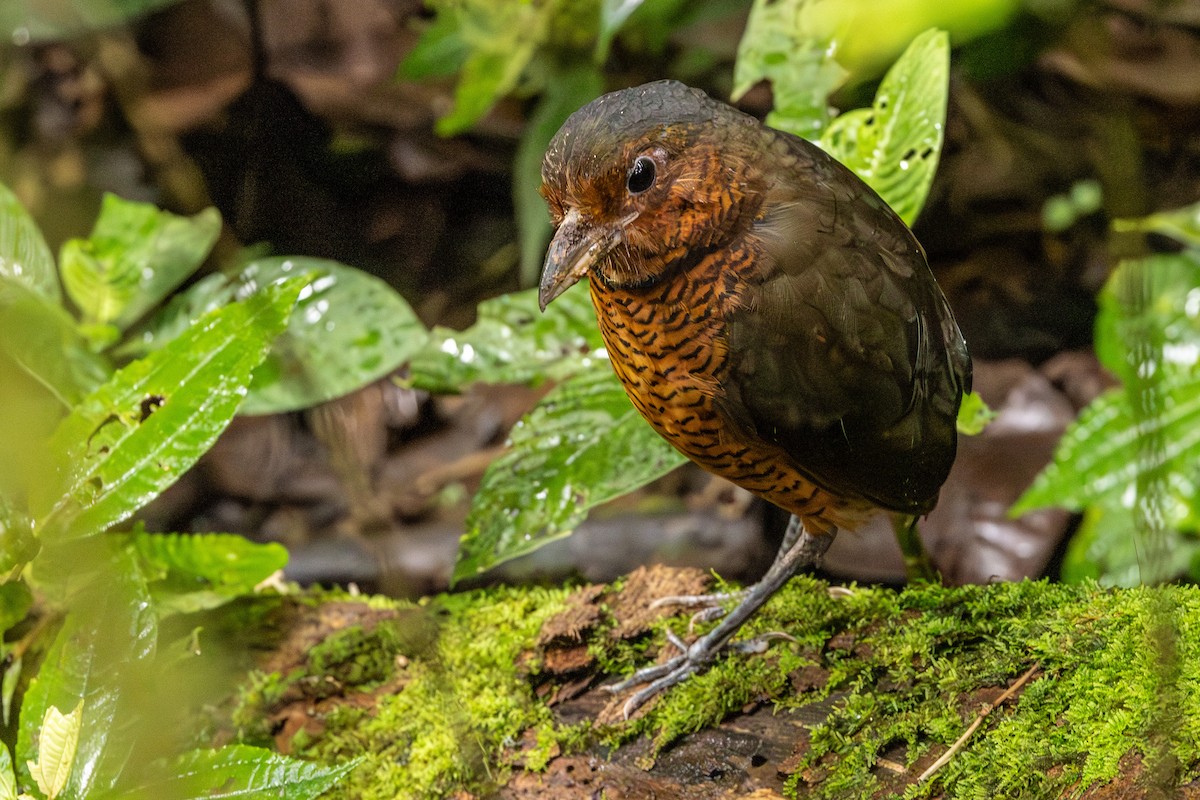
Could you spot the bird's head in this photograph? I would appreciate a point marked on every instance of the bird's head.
(639, 180)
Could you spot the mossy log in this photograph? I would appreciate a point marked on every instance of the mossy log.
(1071, 691)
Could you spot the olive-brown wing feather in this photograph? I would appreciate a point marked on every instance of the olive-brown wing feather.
(843, 350)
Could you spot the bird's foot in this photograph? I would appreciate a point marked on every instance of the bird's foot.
(709, 605)
(691, 659)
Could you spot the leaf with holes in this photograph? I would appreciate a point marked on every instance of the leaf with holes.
(136, 434)
(583, 445)
(895, 144)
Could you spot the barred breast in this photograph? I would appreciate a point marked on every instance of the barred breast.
(666, 344)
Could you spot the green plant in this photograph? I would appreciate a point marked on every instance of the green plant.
(1129, 461)
(104, 650)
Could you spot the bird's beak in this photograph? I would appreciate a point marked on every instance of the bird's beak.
(577, 246)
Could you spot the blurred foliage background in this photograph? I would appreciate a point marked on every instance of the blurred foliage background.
(404, 139)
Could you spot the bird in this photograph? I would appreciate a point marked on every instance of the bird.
(767, 313)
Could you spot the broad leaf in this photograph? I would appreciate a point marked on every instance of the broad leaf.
(582, 445)
(139, 432)
(57, 740)
(43, 341)
(99, 658)
(784, 45)
(1102, 453)
(502, 38)
(439, 52)
(512, 342)
(24, 255)
(349, 329)
(1150, 301)
(195, 572)
(135, 256)
(238, 771)
(895, 144)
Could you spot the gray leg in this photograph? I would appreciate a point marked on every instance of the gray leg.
(804, 549)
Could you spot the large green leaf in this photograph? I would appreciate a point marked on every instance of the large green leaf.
(237, 771)
(583, 445)
(24, 255)
(783, 45)
(1102, 453)
(1106, 549)
(136, 434)
(195, 572)
(349, 329)
(135, 256)
(98, 659)
(42, 340)
(511, 342)
(1163, 288)
(894, 145)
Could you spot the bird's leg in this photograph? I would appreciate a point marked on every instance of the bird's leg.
(917, 564)
(710, 603)
(805, 549)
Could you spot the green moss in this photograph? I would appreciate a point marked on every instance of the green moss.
(462, 705)
(904, 674)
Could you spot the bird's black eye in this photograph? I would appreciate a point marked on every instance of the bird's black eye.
(641, 175)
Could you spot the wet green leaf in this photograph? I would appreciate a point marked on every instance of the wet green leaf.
(583, 445)
(136, 434)
(135, 256)
(43, 341)
(1170, 282)
(98, 659)
(24, 255)
(238, 771)
(195, 572)
(349, 329)
(512, 342)
(895, 144)
(1102, 452)
(784, 45)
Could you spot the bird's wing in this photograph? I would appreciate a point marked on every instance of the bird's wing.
(843, 350)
